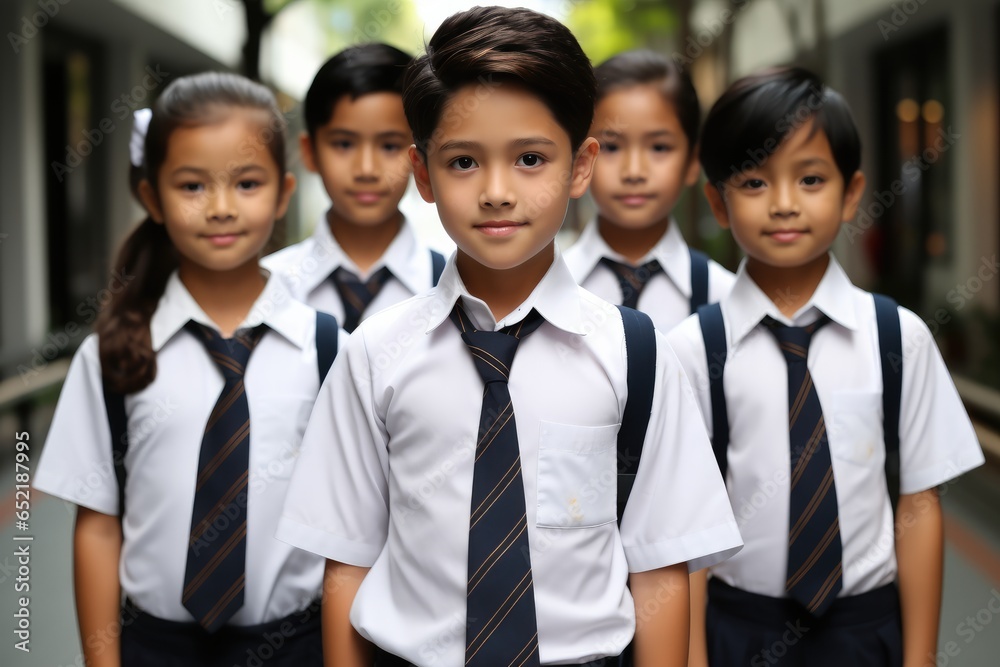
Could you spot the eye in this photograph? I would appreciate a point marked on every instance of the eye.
(341, 144)
(464, 163)
(392, 148)
(530, 160)
(248, 185)
(609, 147)
(192, 187)
(662, 148)
(752, 184)
(813, 180)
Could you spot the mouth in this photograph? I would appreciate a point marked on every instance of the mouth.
(786, 235)
(499, 227)
(634, 200)
(367, 197)
(222, 240)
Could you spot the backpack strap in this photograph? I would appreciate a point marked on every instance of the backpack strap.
(640, 349)
(890, 344)
(327, 335)
(437, 267)
(699, 279)
(713, 332)
(114, 403)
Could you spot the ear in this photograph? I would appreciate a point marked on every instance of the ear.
(287, 188)
(693, 169)
(583, 167)
(308, 152)
(420, 175)
(150, 201)
(717, 202)
(852, 196)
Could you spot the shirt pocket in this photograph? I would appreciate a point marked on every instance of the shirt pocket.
(577, 475)
(854, 427)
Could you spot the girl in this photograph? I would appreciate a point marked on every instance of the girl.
(177, 458)
(646, 119)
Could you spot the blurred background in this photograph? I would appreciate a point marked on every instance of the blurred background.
(922, 77)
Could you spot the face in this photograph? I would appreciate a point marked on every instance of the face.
(219, 192)
(787, 212)
(502, 171)
(646, 159)
(361, 156)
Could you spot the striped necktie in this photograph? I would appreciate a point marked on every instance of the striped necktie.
(501, 627)
(632, 279)
(215, 575)
(815, 569)
(356, 295)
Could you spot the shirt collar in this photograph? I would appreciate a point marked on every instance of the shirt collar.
(671, 251)
(403, 257)
(554, 298)
(747, 304)
(275, 307)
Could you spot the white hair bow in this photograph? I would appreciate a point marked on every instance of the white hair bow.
(136, 144)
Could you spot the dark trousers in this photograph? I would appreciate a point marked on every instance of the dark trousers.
(749, 630)
(383, 659)
(293, 641)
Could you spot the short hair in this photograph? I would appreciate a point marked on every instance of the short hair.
(756, 113)
(496, 44)
(355, 71)
(642, 66)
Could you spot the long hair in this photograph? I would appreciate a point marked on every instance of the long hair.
(128, 361)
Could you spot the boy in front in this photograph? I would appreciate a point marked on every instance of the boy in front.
(411, 465)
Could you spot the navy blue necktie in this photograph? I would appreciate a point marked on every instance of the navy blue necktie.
(815, 569)
(356, 295)
(501, 627)
(215, 575)
(632, 279)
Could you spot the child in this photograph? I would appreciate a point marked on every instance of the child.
(477, 525)
(808, 474)
(154, 419)
(363, 256)
(647, 119)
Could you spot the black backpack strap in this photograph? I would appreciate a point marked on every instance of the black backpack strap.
(890, 344)
(327, 336)
(640, 349)
(699, 279)
(713, 332)
(114, 403)
(437, 266)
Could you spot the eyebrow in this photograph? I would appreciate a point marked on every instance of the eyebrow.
(812, 161)
(459, 144)
(238, 171)
(614, 134)
(351, 133)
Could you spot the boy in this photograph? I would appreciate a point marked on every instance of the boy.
(472, 524)
(817, 582)
(363, 256)
(647, 118)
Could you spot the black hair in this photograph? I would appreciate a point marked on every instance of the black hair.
(128, 362)
(642, 66)
(756, 113)
(355, 71)
(488, 45)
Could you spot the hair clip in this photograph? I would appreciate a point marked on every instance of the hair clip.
(136, 144)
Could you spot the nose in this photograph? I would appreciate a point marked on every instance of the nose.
(365, 167)
(633, 165)
(496, 191)
(221, 203)
(784, 203)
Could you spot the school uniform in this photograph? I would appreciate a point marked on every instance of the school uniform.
(308, 270)
(385, 478)
(166, 422)
(667, 294)
(937, 443)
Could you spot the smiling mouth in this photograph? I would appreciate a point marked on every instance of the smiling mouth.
(499, 227)
(634, 199)
(222, 240)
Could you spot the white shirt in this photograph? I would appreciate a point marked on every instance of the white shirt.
(306, 268)
(937, 442)
(666, 298)
(385, 476)
(166, 423)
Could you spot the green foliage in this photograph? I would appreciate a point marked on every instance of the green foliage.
(607, 27)
(393, 22)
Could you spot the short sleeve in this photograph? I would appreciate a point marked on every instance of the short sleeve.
(679, 510)
(720, 282)
(77, 462)
(337, 503)
(937, 440)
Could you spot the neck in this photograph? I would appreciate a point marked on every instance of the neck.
(364, 244)
(503, 290)
(632, 244)
(789, 288)
(225, 296)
